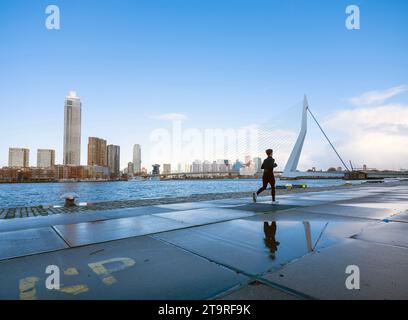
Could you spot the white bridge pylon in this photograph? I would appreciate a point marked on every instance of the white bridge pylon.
(290, 170)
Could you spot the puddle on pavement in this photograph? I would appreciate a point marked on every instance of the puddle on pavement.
(260, 246)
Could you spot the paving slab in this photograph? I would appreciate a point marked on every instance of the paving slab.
(352, 211)
(206, 215)
(25, 242)
(258, 291)
(136, 268)
(231, 202)
(262, 207)
(247, 245)
(325, 198)
(293, 202)
(393, 233)
(322, 274)
(336, 227)
(47, 221)
(395, 206)
(134, 212)
(188, 205)
(100, 231)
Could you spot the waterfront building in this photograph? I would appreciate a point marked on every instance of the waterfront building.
(214, 166)
(223, 165)
(19, 158)
(156, 169)
(97, 152)
(130, 170)
(9, 174)
(137, 159)
(196, 167)
(76, 173)
(72, 130)
(258, 164)
(114, 160)
(179, 168)
(166, 168)
(45, 158)
(39, 174)
(206, 166)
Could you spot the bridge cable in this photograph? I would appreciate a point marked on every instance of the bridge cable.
(327, 138)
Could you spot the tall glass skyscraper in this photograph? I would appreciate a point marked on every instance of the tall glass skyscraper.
(114, 160)
(137, 158)
(72, 129)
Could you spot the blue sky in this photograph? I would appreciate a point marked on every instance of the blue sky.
(221, 63)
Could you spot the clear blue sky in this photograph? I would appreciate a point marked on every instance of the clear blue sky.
(222, 63)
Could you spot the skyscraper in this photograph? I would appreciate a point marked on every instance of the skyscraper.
(45, 158)
(156, 169)
(137, 159)
(114, 160)
(72, 129)
(19, 157)
(97, 152)
(166, 168)
(258, 164)
(130, 169)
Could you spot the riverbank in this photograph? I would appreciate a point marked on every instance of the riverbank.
(44, 210)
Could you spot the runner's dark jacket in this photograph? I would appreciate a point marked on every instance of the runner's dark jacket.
(268, 165)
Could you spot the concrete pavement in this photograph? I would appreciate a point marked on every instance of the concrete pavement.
(222, 249)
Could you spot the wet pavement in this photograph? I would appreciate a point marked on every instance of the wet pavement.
(222, 249)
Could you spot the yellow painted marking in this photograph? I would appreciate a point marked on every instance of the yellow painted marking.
(109, 280)
(27, 288)
(71, 272)
(77, 289)
(100, 269)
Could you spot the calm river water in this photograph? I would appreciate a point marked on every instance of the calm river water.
(31, 194)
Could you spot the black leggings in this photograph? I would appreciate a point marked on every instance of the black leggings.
(268, 178)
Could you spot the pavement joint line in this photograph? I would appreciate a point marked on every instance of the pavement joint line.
(343, 216)
(60, 236)
(382, 243)
(247, 274)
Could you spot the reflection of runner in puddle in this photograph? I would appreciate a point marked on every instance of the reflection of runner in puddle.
(270, 241)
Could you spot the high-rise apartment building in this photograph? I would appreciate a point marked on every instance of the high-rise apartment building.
(130, 169)
(19, 158)
(137, 159)
(97, 152)
(156, 169)
(258, 164)
(72, 129)
(166, 168)
(45, 158)
(114, 160)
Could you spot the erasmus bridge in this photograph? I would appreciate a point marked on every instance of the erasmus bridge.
(281, 140)
(287, 142)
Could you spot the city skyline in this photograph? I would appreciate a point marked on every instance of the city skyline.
(171, 63)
